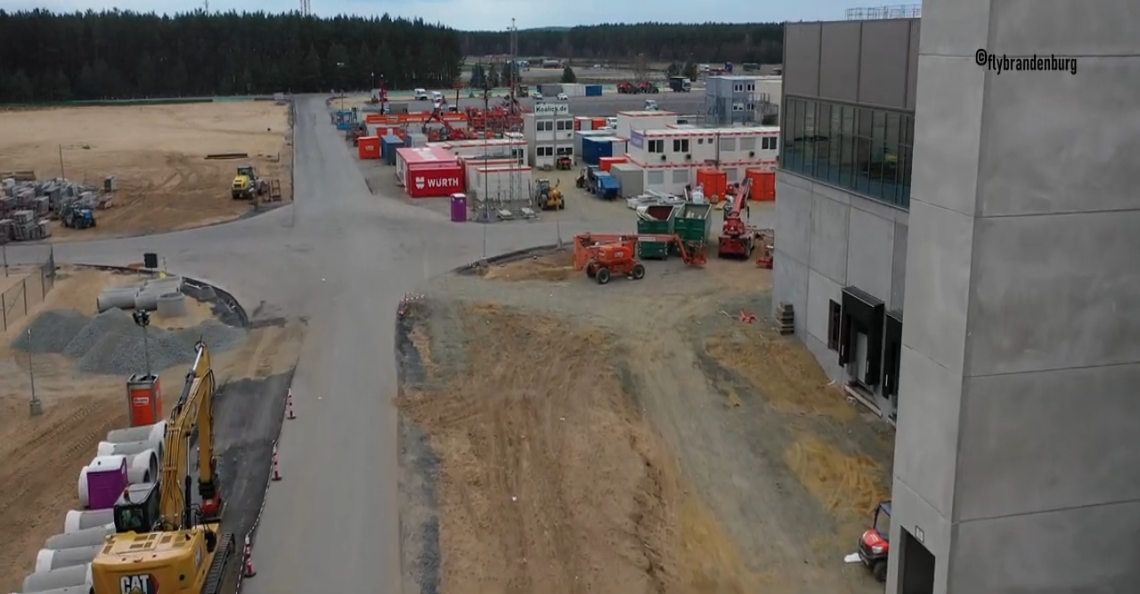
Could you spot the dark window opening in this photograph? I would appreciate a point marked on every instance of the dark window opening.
(916, 565)
(862, 314)
(892, 354)
(834, 322)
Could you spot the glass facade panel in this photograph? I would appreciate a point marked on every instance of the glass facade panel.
(864, 150)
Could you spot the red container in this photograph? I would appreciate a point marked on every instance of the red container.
(714, 183)
(763, 184)
(144, 396)
(368, 147)
(434, 180)
(604, 163)
(599, 123)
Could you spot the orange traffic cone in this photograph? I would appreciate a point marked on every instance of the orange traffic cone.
(289, 406)
(276, 470)
(249, 570)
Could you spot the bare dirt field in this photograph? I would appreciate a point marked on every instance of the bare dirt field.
(560, 436)
(157, 152)
(43, 455)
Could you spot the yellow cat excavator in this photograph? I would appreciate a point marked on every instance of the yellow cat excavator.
(164, 541)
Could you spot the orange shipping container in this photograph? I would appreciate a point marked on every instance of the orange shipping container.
(368, 147)
(763, 184)
(604, 163)
(714, 183)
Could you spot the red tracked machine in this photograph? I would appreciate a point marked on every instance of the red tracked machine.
(737, 239)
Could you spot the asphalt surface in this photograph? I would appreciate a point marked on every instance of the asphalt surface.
(343, 258)
(606, 105)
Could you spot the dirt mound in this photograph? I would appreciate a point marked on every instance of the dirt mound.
(558, 266)
(785, 372)
(843, 483)
(550, 480)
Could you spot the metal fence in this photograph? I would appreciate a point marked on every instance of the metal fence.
(18, 300)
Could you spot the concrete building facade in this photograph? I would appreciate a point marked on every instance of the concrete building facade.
(844, 193)
(743, 100)
(1018, 358)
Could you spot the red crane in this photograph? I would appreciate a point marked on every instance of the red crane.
(737, 239)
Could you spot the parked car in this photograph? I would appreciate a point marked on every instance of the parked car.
(537, 96)
(563, 97)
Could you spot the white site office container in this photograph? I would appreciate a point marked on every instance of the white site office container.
(574, 89)
(499, 182)
(643, 120)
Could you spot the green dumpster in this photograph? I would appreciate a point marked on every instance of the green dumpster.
(694, 223)
(655, 220)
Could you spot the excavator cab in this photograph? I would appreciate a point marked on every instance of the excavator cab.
(138, 509)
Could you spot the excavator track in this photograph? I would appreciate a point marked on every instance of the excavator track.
(217, 575)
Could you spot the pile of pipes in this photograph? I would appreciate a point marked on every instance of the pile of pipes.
(44, 199)
(127, 457)
(163, 294)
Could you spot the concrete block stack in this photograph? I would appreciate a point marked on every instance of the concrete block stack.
(26, 206)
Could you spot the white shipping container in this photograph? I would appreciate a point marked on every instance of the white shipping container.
(628, 121)
(470, 166)
(574, 90)
(496, 183)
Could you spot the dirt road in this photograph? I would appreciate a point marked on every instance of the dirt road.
(575, 438)
(157, 153)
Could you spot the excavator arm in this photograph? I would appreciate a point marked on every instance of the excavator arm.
(192, 412)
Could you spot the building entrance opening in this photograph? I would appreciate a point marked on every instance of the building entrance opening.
(916, 566)
(861, 337)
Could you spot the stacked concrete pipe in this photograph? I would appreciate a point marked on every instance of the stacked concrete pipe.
(53, 559)
(95, 535)
(51, 581)
(117, 297)
(70, 590)
(155, 432)
(77, 520)
(147, 298)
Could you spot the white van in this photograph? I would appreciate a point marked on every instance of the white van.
(420, 94)
(436, 97)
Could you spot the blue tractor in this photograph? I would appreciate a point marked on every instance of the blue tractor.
(78, 217)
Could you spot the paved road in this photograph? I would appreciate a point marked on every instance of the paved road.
(342, 257)
(606, 105)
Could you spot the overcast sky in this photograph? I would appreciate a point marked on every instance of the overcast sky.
(497, 14)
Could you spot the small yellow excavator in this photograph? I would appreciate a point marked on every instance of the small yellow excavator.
(161, 536)
(247, 185)
(547, 197)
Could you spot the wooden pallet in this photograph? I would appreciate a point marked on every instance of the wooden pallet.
(785, 319)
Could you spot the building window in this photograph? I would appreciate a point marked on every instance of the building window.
(657, 146)
(545, 126)
(749, 144)
(545, 151)
(864, 150)
(751, 87)
(681, 145)
(769, 143)
(680, 176)
(834, 323)
(655, 178)
(728, 144)
(565, 151)
(561, 125)
(738, 87)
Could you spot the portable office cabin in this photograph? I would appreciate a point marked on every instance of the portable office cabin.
(594, 149)
(500, 183)
(631, 177)
(580, 137)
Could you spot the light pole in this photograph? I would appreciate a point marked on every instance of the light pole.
(142, 320)
(35, 407)
(340, 65)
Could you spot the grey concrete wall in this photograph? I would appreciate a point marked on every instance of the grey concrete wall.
(868, 62)
(827, 239)
(1017, 423)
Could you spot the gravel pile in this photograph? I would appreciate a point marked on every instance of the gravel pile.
(51, 331)
(111, 343)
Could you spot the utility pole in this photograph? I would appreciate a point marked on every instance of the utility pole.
(142, 320)
(35, 407)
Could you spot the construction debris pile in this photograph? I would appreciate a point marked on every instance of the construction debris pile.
(27, 205)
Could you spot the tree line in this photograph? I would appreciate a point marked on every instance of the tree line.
(124, 55)
(658, 42)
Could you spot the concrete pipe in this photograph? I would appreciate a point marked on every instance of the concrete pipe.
(85, 589)
(155, 432)
(120, 297)
(77, 520)
(147, 299)
(170, 284)
(143, 467)
(129, 448)
(53, 559)
(98, 463)
(172, 305)
(95, 535)
(207, 293)
(68, 577)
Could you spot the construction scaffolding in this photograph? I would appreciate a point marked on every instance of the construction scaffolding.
(874, 13)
